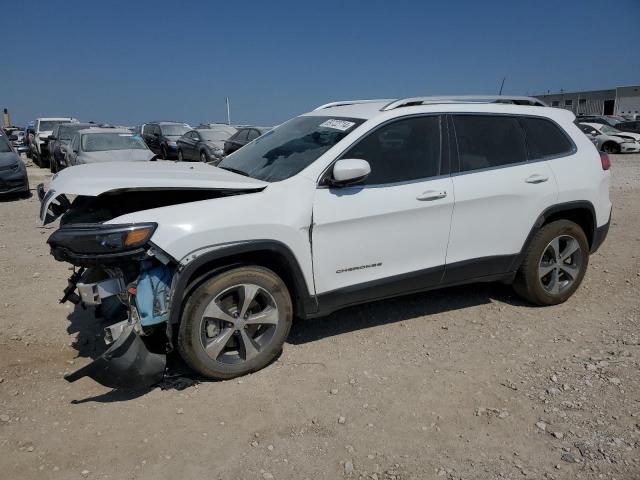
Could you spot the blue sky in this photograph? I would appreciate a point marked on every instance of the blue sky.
(127, 62)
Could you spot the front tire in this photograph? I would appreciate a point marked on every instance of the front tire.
(163, 153)
(235, 323)
(204, 157)
(554, 264)
(180, 156)
(611, 147)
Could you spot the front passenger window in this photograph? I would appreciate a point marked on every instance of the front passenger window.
(405, 150)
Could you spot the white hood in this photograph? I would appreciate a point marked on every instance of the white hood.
(95, 179)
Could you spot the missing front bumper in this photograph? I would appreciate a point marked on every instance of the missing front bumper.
(128, 363)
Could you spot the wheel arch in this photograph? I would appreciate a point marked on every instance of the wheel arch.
(266, 253)
(581, 212)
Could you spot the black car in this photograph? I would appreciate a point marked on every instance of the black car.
(204, 144)
(243, 136)
(59, 139)
(611, 120)
(161, 137)
(629, 126)
(13, 173)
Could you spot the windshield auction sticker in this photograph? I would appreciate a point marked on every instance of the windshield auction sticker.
(336, 124)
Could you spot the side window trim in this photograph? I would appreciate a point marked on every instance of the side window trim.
(444, 147)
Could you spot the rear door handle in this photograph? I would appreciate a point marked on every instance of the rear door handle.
(536, 178)
(431, 195)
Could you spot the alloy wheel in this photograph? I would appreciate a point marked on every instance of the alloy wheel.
(203, 157)
(239, 323)
(560, 264)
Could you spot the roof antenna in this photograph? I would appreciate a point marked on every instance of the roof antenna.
(501, 85)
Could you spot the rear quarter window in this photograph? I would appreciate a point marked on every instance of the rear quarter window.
(545, 139)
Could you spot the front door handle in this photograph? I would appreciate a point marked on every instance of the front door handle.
(431, 195)
(536, 178)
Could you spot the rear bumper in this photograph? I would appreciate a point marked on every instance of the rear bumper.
(600, 235)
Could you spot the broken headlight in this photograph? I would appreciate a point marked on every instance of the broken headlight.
(102, 239)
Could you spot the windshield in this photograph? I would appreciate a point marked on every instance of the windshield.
(174, 130)
(607, 130)
(213, 135)
(49, 125)
(65, 132)
(288, 149)
(4, 145)
(99, 142)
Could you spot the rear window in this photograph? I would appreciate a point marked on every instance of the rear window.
(486, 141)
(544, 138)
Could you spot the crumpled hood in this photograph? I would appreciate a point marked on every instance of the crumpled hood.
(133, 155)
(8, 158)
(98, 178)
(629, 136)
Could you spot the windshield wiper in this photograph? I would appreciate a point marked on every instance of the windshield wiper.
(235, 170)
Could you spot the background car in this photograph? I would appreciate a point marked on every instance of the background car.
(161, 137)
(93, 145)
(40, 143)
(609, 139)
(205, 145)
(58, 141)
(243, 136)
(611, 120)
(629, 126)
(13, 173)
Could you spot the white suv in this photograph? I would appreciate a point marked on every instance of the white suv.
(352, 202)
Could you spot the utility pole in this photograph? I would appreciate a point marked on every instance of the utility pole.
(502, 85)
(228, 113)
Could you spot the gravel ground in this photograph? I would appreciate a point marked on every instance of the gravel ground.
(466, 382)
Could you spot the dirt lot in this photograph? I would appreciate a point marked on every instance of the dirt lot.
(466, 382)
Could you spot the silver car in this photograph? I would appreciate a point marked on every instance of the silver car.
(107, 145)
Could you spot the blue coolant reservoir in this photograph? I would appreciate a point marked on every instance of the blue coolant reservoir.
(154, 284)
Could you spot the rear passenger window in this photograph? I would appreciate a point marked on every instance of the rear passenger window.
(401, 151)
(486, 141)
(544, 138)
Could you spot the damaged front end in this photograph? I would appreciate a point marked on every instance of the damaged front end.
(117, 262)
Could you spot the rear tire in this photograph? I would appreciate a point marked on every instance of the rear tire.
(554, 264)
(235, 323)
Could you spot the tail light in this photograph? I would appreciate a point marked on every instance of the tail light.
(604, 159)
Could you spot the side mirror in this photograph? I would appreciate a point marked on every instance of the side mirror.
(348, 172)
